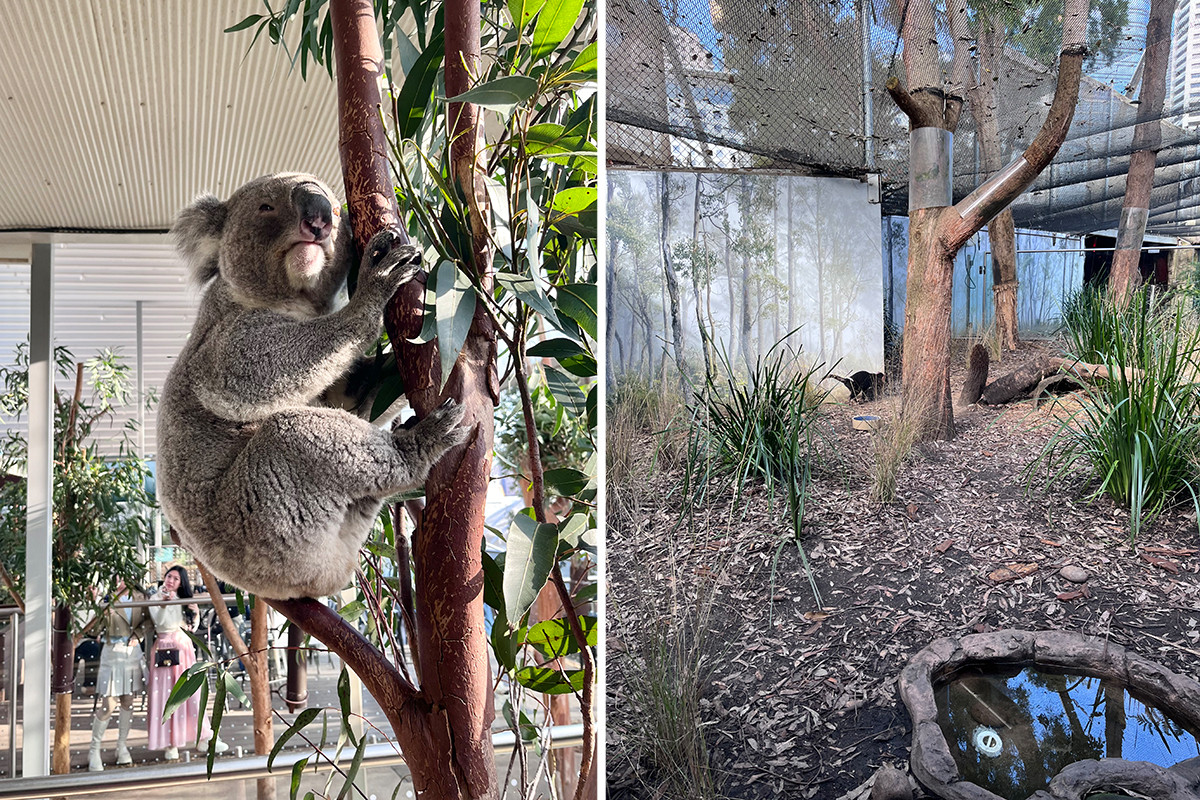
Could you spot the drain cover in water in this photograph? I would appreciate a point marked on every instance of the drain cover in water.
(988, 742)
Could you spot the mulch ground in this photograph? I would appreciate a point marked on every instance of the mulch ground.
(801, 699)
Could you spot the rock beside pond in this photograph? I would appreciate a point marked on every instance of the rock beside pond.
(891, 784)
(1074, 574)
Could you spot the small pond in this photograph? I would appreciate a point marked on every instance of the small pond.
(1012, 730)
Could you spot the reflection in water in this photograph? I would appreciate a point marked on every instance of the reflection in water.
(1012, 731)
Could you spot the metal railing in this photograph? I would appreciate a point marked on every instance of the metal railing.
(229, 769)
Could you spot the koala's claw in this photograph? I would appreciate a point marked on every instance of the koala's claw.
(443, 424)
(381, 244)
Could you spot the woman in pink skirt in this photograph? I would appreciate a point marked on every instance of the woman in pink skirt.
(180, 729)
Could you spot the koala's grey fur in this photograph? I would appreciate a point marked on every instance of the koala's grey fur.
(268, 489)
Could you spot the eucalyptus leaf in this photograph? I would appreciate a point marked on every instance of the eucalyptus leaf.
(413, 100)
(574, 200)
(556, 348)
(565, 481)
(579, 301)
(545, 680)
(501, 95)
(455, 310)
(587, 62)
(528, 291)
(527, 564)
(565, 391)
(185, 686)
(554, 24)
(521, 11)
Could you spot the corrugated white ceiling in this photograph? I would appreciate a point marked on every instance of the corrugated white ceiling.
(115, 113)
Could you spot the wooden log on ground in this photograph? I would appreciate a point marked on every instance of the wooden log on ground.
(977, 372)
(1018, 382)
(1088, 371)
(1055, 384)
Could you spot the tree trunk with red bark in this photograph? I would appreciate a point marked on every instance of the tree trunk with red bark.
(444, 727)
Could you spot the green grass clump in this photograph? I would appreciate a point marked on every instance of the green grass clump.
(1138, 429)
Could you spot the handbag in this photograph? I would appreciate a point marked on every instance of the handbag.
(166, 657)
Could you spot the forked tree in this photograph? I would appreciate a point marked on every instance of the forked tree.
(936, 234)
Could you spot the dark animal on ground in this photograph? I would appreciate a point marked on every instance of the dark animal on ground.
(864, 385)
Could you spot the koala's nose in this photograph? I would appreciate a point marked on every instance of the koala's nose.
(316, 212)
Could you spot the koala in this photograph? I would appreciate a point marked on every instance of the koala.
(267, 486)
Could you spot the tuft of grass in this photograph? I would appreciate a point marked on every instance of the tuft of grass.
(666, 682)
(1137, 430)
(768, 429)
(637, 407)
(1092, 324)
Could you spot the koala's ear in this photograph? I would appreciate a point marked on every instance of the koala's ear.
(197, 234)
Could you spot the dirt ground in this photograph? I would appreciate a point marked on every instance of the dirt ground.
(802, 699)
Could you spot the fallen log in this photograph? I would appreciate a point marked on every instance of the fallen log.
(1056, 383)
(977, 372)
(1017, 383)
(1088, 371)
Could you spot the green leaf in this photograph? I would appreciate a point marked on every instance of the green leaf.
(565, 391)
(391, 389)
(553, 142)
(545, 680)
(234, 688)
(246, 23)
(574, 200)
(553, 638)
(502, 95)
(522, 11)
(566, 480)
(413, 100)
(592, 403)
(527, 563)
(343, 690)
(556, 348)
(352, 611)
(455, 310)
(352, 773)
(187, 684)
(493, 583)
(579, 301)
(218, 712)
(554, 24)
(528, 291)
(587, 62)
(297, 771)
(587, 594)
(583, 365)
(302, 720)
(571, 528)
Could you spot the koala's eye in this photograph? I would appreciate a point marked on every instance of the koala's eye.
(266, 207)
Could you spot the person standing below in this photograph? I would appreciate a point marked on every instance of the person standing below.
(122, 673)
(172, 655)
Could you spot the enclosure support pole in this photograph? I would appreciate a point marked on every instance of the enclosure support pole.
(35, 749)
(864, 14)
(141, 397)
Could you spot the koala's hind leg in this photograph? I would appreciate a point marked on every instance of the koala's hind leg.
(301, 495)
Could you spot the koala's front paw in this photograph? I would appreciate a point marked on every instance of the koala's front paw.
(441, 429)
(387, 266)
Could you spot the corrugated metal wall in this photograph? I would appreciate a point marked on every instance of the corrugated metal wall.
(1044, 277)
(97, 287)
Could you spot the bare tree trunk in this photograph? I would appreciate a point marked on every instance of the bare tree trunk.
(256, 659)
(791, 262)
(982, 90)
(1147, 139)
(936, 234)
(62, 683)
(672, 284)
(697, 250)
(746, 323)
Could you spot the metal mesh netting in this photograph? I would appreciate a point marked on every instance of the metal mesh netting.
(787, 85)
